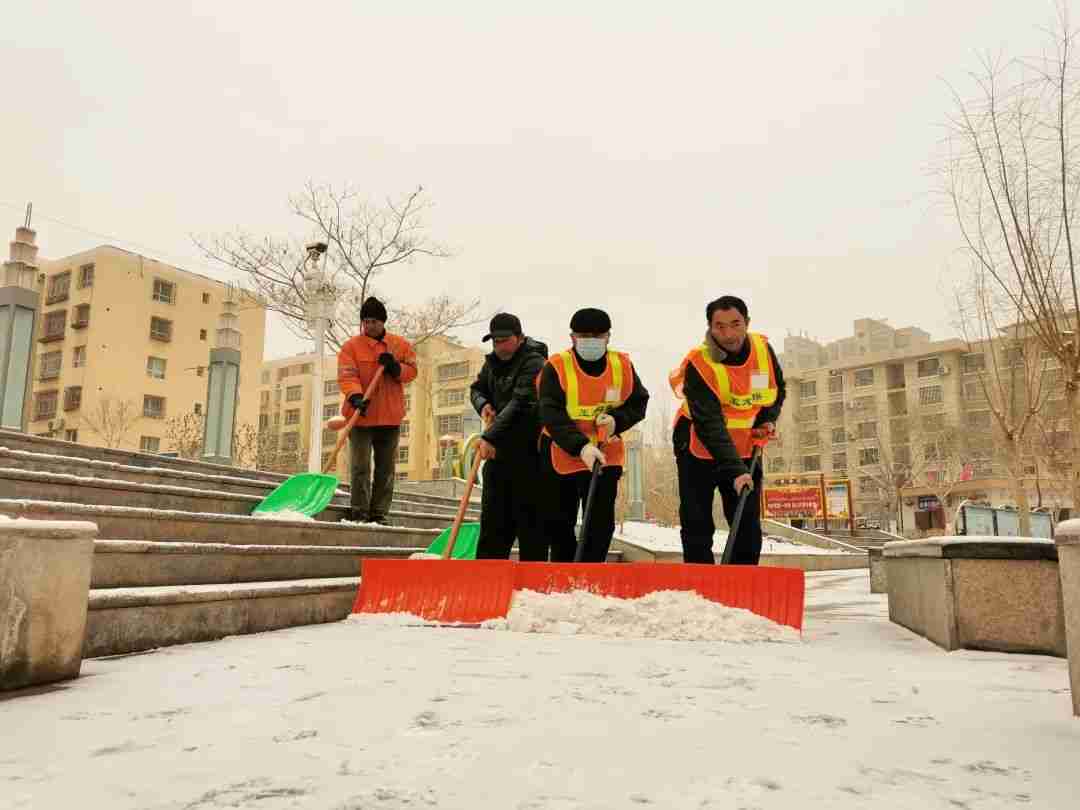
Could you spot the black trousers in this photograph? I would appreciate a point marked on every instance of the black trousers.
(509, 510)
(372, 494)
(697, 483)
(564, 496)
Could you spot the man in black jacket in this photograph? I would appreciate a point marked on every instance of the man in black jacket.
(585, 391)
(732, 385)
(504, 395)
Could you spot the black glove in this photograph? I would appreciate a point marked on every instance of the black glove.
(390, 363)
(358, 402)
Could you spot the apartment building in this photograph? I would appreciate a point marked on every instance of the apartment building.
(123, 347)
(438, 417)
(869, 336)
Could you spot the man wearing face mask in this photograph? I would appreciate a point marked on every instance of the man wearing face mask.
(376, 431)
(731, 384)
(504, 394)
(585, 391)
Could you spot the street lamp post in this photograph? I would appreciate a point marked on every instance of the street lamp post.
(319, 307)
(223, 385)
(19, 302)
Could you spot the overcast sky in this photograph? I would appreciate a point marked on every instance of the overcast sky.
(640, 157)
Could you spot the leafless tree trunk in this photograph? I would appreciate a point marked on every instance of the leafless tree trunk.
(365, 241)
(1012, 181)
(185, 435)
(112, 420)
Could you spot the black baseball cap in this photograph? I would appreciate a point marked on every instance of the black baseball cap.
(590, 321)
(503, 325)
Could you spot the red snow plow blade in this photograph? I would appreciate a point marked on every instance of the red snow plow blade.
(473, 591)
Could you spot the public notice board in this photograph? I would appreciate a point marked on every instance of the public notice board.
(792, 502)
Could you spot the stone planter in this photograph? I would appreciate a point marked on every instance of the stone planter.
(44, 592)
(879, 582)
(1068, 546)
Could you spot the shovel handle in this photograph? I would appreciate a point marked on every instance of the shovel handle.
(331, 463)
(733, 530)
(460, 516)
(579, 551)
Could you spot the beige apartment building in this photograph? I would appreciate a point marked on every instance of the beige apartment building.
(123, 345)
(877, 404)
(438, 412)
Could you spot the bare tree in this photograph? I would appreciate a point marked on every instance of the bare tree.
(660, 476)
(365, 241)
(185, 435)
(113, 420)
(1013, 180)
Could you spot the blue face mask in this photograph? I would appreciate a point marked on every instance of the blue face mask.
(591, 349)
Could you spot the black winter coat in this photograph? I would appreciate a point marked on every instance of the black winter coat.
(510, 388)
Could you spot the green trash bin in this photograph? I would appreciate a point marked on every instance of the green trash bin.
(464, 546)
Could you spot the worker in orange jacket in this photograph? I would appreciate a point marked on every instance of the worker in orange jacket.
(379, 426)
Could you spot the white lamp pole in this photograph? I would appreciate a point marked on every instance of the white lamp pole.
(319, 307)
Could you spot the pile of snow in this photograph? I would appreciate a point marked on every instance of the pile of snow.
(284, 514)
(673, 615)
(664, 538)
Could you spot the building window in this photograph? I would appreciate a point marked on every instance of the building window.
(264, 421)
(164, 291)
(155, 367)
(811, 464)
(150, 444)
(264, 399)
(451, 423)
(59, 286)
(277, 397)
(153, 407)
(455, 396)
(265, 378)
(401, 476)
(408, 403)
(836, 384)
(1014, 356)
(810, 439)
(72, 398)
(931, 395)
(978, 419)
(53, 327)
(277, 418)
(82, 317)
(50, 365)
(329, 437)
(776, 464)
(307, 368)
(864, 404)
(808, 390)
(839, 462)
(290, 442)
(972, 363)
(404, 430)
(160, 329)
(86, 276)
(867, 430)
(453, 371)
(206, 298)
(808, 413)
(202, 334)
(868, 456)
(71, 435)
(836, 410)
(331, 387)
(902, 454)
(839, 436)
(294, 393)
(973, 391)
(933, 422)
(330, 410)
(930, 367)
(403, 455)
(864, 377)
(45, 404)
(200, 371)
(292, 416)
(197, 409)
(930, 452)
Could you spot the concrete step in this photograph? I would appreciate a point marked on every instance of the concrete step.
(126, 620)
(113, 492)
(134, 523)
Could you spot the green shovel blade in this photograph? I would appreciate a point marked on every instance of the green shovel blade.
(307, 493)
(464, 546)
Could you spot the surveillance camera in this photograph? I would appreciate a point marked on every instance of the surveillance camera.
(317, 247)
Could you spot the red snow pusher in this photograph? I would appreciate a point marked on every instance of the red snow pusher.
(473, 591)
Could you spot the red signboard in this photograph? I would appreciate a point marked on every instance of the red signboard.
(793, 501)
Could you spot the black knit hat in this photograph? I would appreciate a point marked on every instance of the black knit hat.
(373, 308)
(503, 325)
(590, 321)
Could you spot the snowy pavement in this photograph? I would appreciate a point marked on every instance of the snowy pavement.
(861, 714)
(666, 538)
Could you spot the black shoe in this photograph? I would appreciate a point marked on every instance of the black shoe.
(354, 516)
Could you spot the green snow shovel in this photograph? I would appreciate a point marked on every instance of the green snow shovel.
(311, 493)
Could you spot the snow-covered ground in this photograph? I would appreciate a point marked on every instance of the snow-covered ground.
(662, 538)
(862, 714)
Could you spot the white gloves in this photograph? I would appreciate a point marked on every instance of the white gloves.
(591, 454)
(606, 424)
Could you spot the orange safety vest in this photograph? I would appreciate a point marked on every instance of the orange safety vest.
(587, 398)
(742, 391)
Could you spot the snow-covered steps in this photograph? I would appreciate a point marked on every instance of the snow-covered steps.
(125, 620)
(136, 523)
(112, 492)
